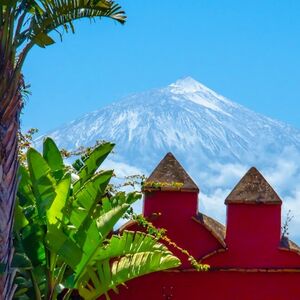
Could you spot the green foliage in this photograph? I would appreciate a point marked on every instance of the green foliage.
(63, 229)
(25, 23)
(157, 185)
(161, 234)
(140, 254)
(24, 142)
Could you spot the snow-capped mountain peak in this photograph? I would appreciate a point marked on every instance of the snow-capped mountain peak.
(215, 139)
(190, 89)
(184, 117)
(186, 85)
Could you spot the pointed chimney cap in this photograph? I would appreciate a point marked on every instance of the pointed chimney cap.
(253, 189)
(169, 175)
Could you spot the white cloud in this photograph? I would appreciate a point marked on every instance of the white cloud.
(292, 203)
(282, 172)
(224, 175)
(218, 179)
(121, 169)
(213, 204)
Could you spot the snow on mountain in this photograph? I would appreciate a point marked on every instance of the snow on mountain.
(214, 138)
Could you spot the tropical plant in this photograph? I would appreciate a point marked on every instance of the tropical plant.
(64, 220)
(24, 24)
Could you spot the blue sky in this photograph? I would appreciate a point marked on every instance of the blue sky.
(245, 50)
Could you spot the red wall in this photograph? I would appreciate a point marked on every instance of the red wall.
(253, 234)
(213, 286)
(176, 211)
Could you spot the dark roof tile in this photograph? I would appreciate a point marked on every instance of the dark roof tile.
(169, 175)
(217, 229)
(253, 189)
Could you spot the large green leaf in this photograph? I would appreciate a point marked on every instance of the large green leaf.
(133, 255)
(25, 193)
(86, 209)
(53, 157)
(43, 183)
(61, 244)
(107, 221)
(92, 162)
(105, 224)
(20, 219)
(87, 198)
(129, 243)
(33, 243)
(62, 190)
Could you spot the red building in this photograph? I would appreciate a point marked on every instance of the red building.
(249, 258)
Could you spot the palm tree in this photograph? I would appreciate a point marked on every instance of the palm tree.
(24, 24)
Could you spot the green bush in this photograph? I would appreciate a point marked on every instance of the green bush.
(63, 237)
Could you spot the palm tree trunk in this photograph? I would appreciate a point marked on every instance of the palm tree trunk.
(10, 107)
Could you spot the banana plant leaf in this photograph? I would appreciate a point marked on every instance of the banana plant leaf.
(105, 224)
(124, 258)
(64, 229)
(62, 191)
(25, 193)
(87, 197)
(53, 157)
(91, 162)
(43, 184)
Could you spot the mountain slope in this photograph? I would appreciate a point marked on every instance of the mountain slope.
(186, 118)
(214, 138)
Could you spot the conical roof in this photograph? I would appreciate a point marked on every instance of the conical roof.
(253, 189)
(169, 175)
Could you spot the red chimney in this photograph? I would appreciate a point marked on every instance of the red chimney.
(169, 190)
(171, 202)
(253, 216)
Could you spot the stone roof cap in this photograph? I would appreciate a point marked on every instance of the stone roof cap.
(169, 175)
(253, 189)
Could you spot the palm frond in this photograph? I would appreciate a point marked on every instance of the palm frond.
(53, 14)
(125, 257)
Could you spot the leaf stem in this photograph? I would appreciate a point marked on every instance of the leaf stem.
(36, 289)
